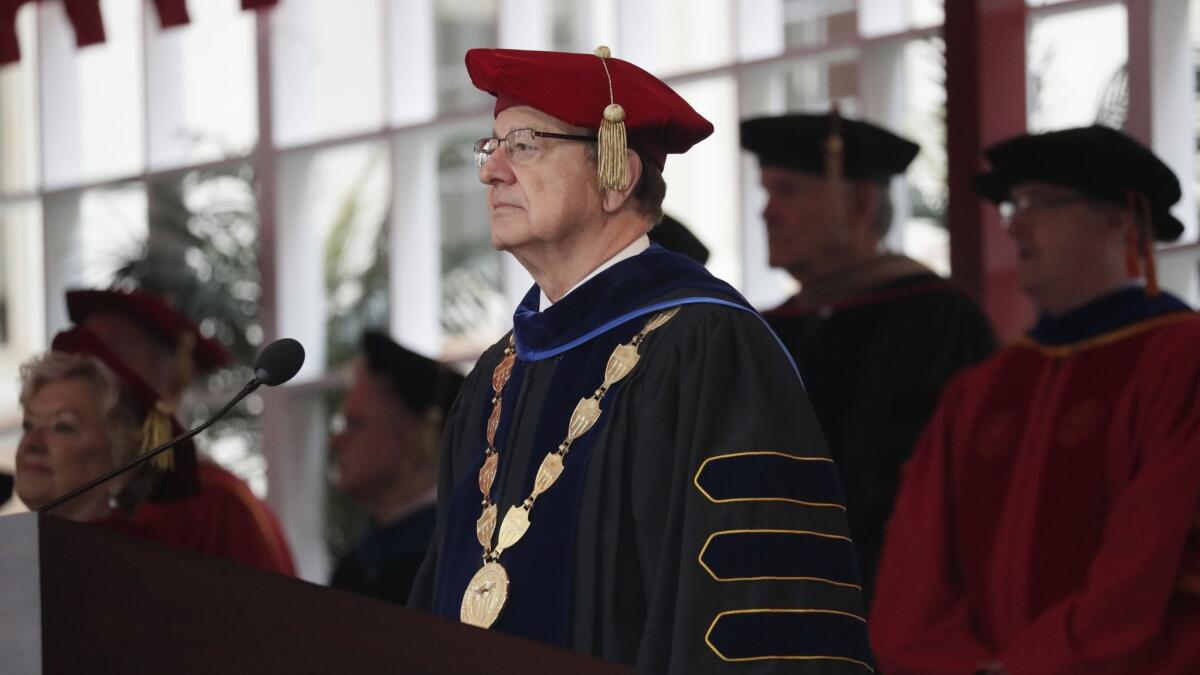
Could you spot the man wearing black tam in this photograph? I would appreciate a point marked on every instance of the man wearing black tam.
(387, 461)
(675, 236)
(1048, 518)
(876, 335)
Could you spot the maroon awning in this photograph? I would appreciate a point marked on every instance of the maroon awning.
(88, 21)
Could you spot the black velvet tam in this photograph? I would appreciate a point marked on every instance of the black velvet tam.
(420, 382)
(1098, 161)
(797, 142)
(674, 236)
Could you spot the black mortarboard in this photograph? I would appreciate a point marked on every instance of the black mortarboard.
(420, 381)
(674, 236)
(1098, 161)
(797, 142)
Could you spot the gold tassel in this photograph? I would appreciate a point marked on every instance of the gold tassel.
(834, 158)
(156, 430)
(613, 170)
(1142, 240)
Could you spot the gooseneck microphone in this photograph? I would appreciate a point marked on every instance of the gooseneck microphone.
(277, 363)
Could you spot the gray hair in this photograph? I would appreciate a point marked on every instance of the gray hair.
(122, 422)
(650, 190)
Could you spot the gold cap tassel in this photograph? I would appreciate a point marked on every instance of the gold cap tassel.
(833, 166)
(613, 170)
(156, 430)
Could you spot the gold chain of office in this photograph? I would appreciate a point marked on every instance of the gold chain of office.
(487, 592)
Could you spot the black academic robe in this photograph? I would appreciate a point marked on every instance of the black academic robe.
(874, 364)
(698, 527)
(385, 560)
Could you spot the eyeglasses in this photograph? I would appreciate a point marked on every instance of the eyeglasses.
(521, 145)
(1012, 208)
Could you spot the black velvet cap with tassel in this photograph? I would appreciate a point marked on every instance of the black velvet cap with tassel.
(1100, 162)
(420, 382)
(799, 142)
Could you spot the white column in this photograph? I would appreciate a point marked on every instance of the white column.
(416, 237)
(759, 29)
(299, 261)
(63, 256)
(525, 24)
(165, 82)
(62, 140)
(296, 473)
(1172, 98)
(638, 35)
(881, 92)
(412, 60)
(879, 17)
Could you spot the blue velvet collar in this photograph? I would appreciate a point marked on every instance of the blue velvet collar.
(601, 313)
(647, 282)
(1108, 313)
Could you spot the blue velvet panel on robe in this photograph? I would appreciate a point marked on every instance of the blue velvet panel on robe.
(1106, 314)
(581, 332)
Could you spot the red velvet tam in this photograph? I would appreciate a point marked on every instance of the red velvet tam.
(575, 89)
(83, 342)
(152, 313)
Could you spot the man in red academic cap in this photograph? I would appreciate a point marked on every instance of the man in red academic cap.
(1047, 522)
(876, 335)
(634, 472)
(199, 505)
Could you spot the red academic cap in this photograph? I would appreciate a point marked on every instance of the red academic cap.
(153, 313)
(180, 479)
(576, 89)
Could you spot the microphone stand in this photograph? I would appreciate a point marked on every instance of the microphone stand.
(253, 384)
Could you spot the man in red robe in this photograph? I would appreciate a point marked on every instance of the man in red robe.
(198, 505)
(1047, 522)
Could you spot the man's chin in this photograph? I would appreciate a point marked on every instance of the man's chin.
(504, 235)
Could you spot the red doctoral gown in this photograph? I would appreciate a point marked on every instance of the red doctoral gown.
(1048, 518)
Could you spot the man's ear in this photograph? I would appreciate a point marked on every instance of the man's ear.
(614, 200)
(866, 200)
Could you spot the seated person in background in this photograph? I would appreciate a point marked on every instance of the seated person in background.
(86, 413)
(1047, 522)
(386, 461)
(210, 510)
(673, 235)
(876, 335)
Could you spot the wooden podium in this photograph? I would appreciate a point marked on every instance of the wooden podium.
(77, 598)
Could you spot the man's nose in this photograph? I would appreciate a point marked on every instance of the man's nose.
(769, 210)
(497, 168)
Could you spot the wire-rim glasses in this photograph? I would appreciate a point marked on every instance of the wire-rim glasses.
(520, 144)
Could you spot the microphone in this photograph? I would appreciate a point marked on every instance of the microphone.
(277, 363)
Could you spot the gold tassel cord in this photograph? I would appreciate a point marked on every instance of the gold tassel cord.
(834, 158)
(613, 167)
(1139, 245)
(156, 430)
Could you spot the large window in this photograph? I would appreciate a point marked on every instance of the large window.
(306, 171)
